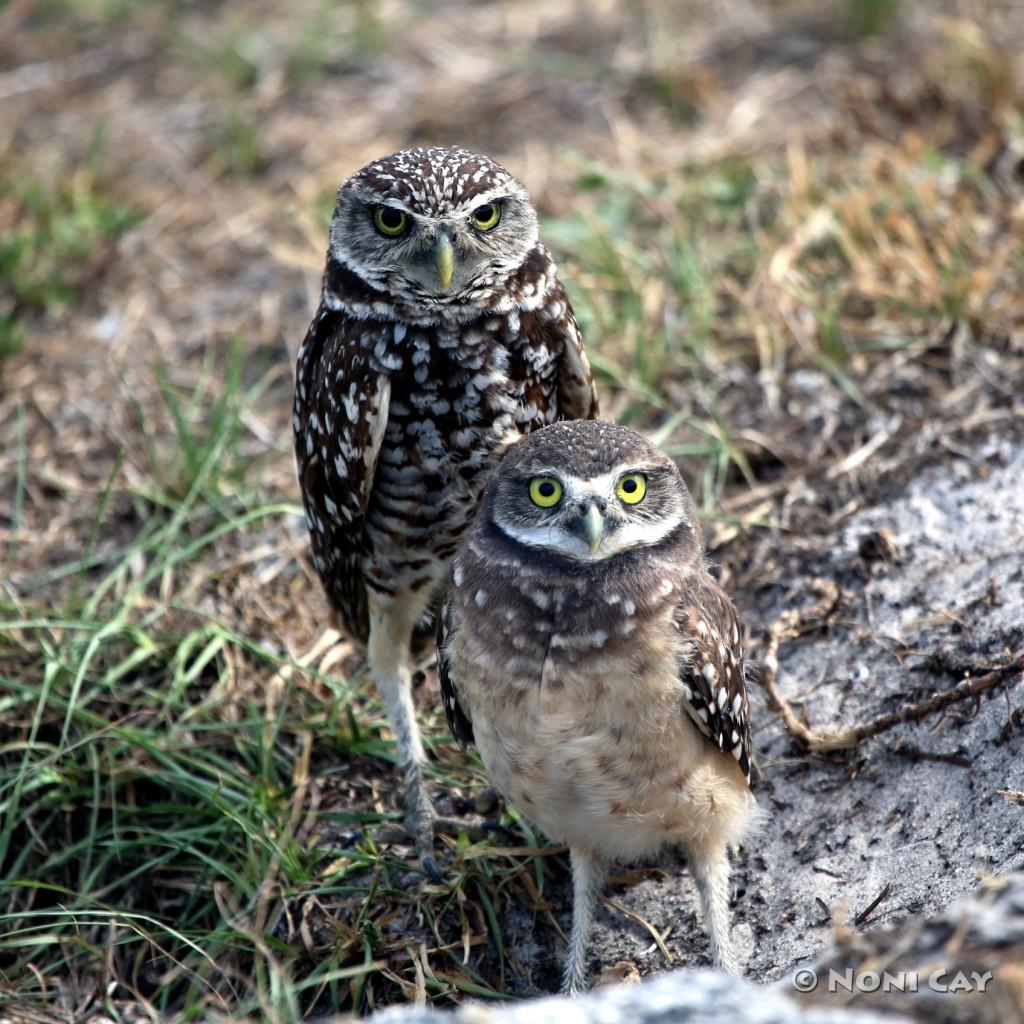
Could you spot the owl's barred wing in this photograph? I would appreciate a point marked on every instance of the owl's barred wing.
(550, 365)
(341, 412)
(458, 721)
(577, 395)
(712, 673)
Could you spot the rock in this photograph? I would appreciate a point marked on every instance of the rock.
(964, 964)
(701, 997)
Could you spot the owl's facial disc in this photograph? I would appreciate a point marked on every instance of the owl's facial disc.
(589, 520)
(451, 255)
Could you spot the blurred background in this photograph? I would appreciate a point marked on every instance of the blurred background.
(792, 235)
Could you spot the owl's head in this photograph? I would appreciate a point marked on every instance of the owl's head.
(436, 228)
(590, 491)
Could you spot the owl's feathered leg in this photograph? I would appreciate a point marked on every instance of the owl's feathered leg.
(710, 869)
(390, 662)
(588, 874)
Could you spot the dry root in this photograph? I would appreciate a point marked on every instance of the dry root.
(823, 611)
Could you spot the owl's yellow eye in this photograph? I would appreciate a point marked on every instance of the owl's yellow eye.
(486, 217)
(545, 491)
(389, 221)
(631, 488)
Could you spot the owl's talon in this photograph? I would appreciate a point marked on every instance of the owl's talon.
(419, 823)
(488, 802)
(492, 825)
(476, 830)
(429, 865)
(424, 845)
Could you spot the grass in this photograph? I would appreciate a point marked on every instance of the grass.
(182, 877)
(56, 238)
(825, 260)
(186, 862)
(333, 39)
(195, 792)
(235, 146)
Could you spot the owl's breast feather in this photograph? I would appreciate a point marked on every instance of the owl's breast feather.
(582, 730)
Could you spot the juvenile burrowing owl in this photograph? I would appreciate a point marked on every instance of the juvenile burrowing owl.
(442, 336)
(596, 664)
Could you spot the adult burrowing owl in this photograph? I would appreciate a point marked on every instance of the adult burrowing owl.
(597, 666)
(442, 335)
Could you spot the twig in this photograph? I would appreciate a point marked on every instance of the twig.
(871, 907)
(513, 851)
(903, 749)
(1014, 721)
(793, 623)
(655, 934)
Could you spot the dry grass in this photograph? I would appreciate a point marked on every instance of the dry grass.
(796, 254)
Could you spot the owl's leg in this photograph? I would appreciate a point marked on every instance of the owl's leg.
(710, 869)
(390, 660)
(587, 877)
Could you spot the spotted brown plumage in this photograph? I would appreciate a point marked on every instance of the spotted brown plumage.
(596, 664)
(459, 724)
(711, 669)
(710, 666)
(436, 345)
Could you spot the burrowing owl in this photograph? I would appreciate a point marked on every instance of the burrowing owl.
(442, 335)
(598, 667)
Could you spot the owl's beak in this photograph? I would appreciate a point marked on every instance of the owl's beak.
(592, 528)
(444, 261)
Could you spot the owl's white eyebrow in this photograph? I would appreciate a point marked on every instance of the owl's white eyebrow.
(483, 199)
(577, 486)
